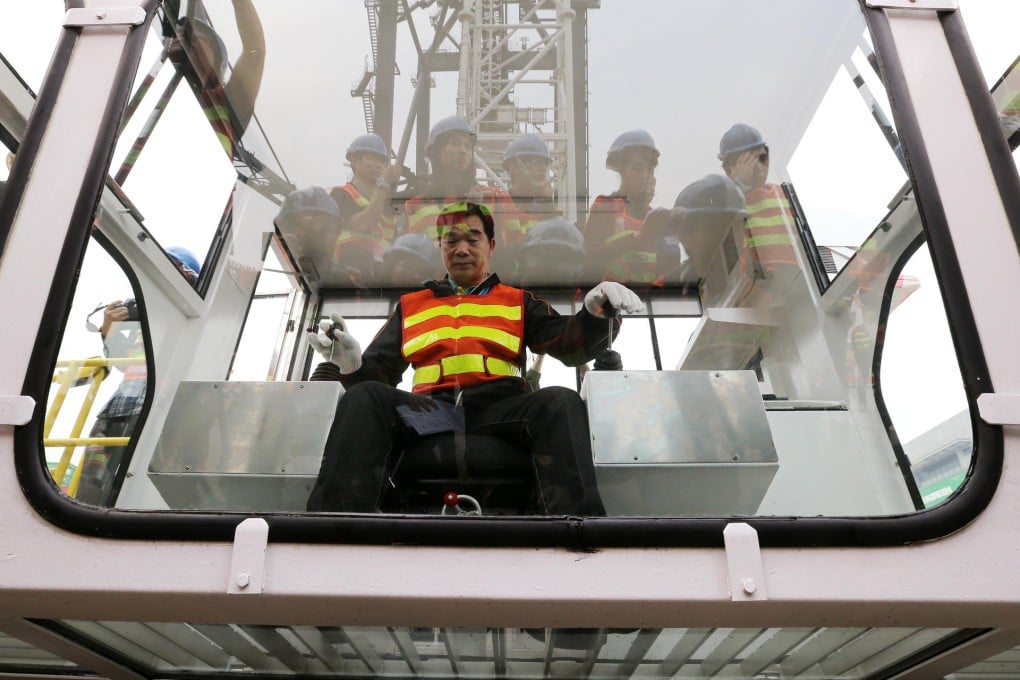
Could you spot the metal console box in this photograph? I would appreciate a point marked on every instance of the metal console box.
(686, 443)
(243, 445)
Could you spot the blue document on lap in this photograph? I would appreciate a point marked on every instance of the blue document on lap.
(445, 417)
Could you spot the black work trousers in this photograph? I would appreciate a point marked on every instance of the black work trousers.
(551, 424)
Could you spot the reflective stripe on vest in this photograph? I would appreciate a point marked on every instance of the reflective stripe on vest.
(422, 212)
(634, 266)
(462, 340)
(767, 228)
(465, 363)
(383, 233)
(214, 106)
(136, 351)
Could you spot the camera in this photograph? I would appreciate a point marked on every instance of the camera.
(132, 309)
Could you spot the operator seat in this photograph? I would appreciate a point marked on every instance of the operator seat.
(491, 469)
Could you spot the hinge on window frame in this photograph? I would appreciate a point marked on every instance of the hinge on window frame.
(999, 409)
(16, 409)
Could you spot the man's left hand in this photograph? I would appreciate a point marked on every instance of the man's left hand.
(614, 295)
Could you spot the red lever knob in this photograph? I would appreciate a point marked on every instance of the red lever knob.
(450, 499)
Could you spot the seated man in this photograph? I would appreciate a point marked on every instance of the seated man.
(465, 335)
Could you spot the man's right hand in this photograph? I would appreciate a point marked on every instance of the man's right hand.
(115, 312)
(336, 344)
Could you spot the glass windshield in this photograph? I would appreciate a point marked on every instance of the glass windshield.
(565, 258)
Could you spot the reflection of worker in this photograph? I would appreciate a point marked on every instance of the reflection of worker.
(410, 260)
(451, 152)
(704, 212)
(465, 336)
(122, 339)
(310, 221)
(745, 159)
(614, 235)
(364, 201)
(530, 197)
(229, 106)
(552, 253)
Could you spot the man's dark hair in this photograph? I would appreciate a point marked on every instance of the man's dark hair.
(456, 213)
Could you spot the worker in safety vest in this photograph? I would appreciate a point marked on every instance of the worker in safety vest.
(364, 202)
(745, 160)
(451, 152)
(227, 104)
(706, 213)
(465, 336)
(121, 332)
(530, 197)
(310, 222)
(618, 245)
(409, 261)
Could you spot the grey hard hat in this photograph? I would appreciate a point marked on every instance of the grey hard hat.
(195, 28)
(711, 194)
(444, 127)
(556, 236)
(418, 246)
(740, 137)
(370, 143)
(526, 146)
(632, 139)
(308, 201)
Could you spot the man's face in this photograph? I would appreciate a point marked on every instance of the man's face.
(636, 172)
(751, 167)
(466, 251)
(368, 167)
(702, 236)
(529, 176)
(457, 153)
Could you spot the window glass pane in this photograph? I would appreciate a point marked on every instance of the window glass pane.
(921, 384)
(99, 384)
(753, 242)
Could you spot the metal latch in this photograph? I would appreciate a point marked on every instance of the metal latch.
(943, 5)
(104, 16)
(16, 410)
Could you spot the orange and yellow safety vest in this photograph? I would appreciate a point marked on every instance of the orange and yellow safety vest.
(461, 341)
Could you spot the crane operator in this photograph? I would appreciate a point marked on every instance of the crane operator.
(465, 336)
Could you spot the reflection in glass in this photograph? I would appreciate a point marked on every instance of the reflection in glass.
(595, 160)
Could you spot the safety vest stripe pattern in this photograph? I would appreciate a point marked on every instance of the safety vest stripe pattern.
(464, 309)
(387, 227)
(767, 221)
(768, 240)
(465, 363)
(772, 202)
(423, 212)
(422, 341)
(491, 331)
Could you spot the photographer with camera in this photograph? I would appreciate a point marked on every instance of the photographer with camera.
(122, 339)
(121, 331)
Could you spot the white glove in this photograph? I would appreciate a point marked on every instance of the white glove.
(618, 296)
(335, 344)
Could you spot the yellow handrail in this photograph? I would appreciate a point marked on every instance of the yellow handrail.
(79, 371)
